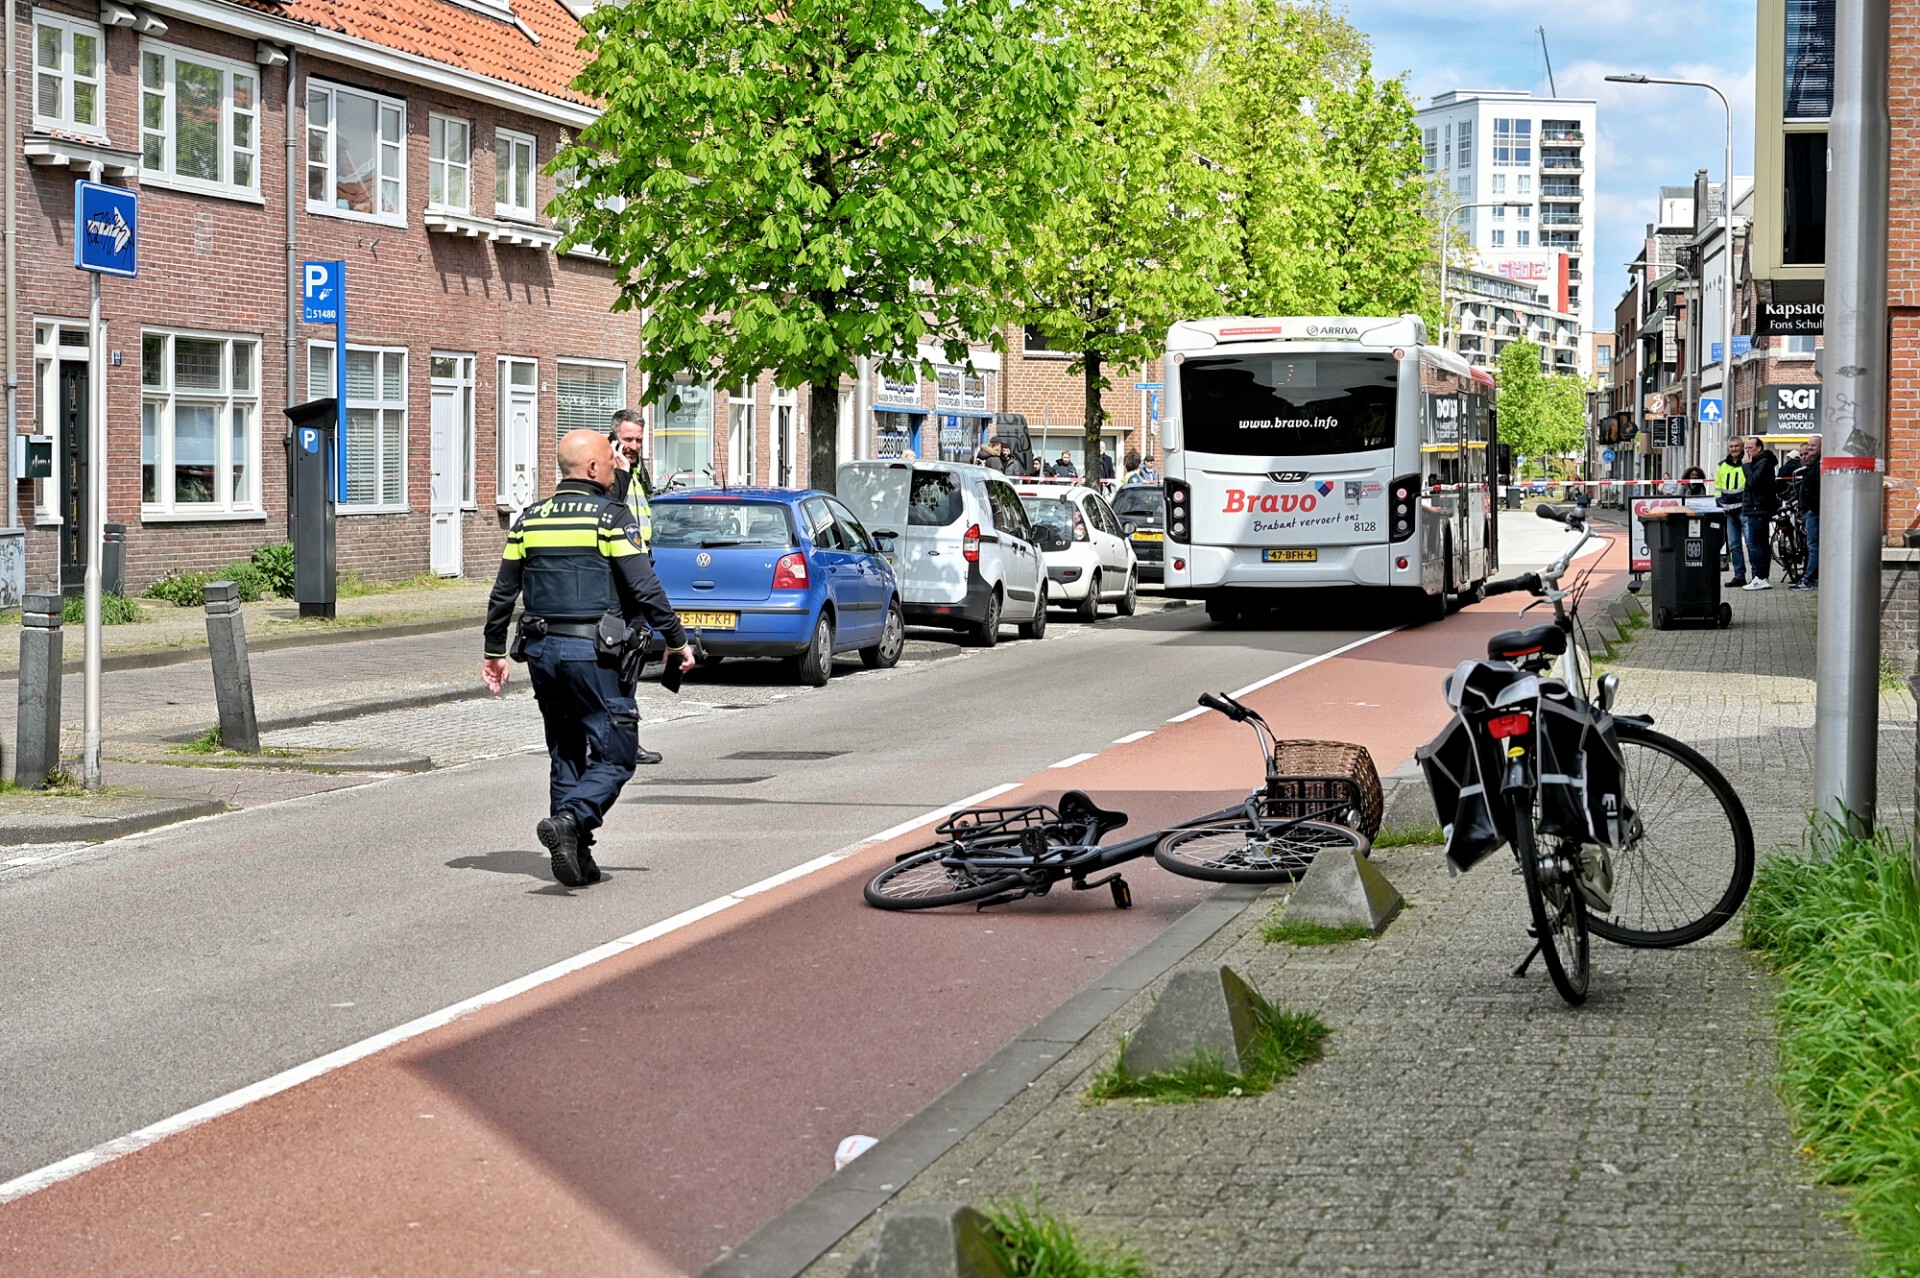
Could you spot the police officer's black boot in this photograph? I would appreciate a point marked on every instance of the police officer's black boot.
(589, 869)
(644, 755)
(561, 834)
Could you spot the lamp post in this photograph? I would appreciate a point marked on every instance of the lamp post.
(1446, 251)
(1726, 239)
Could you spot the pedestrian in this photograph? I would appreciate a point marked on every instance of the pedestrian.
(633, 488)
(1106, 464)
(908, 455)
(576, 559)
(1693, 482)
(1730, 478)
(1064, 468)
(993, 455)
(1582, 499)
(1810, 510)
(1761, 495)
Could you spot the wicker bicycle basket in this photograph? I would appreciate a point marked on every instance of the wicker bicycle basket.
(1316, 776)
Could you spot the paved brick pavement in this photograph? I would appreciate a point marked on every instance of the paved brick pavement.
(1463, 1122)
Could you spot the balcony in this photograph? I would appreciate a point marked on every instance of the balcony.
(1568, 137)
(1549, 191)
(1561, 163)
(1561, 219)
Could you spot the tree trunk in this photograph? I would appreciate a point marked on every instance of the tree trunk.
(823, 435)
(1090, 465)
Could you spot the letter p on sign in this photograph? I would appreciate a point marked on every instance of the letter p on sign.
(321, 286)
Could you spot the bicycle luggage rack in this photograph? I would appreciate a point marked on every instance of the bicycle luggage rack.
(972, 823)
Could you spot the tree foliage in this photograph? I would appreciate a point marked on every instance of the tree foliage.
(1540, 415)
(791, 185)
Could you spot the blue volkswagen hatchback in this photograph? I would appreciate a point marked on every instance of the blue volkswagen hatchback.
(776, 572)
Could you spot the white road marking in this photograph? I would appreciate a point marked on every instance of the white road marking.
(1073, 759)
(66, 1168)
(1194, 713)
(1132, 737)
(1310, 661)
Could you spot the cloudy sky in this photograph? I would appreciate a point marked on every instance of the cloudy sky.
(1650, 135)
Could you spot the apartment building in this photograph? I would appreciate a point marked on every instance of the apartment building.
(1491, 312)
(1533, 161)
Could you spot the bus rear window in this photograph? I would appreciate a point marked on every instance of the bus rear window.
(1288, 405)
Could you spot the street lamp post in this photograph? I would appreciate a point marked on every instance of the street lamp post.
(1446, 251)
(1726, 239)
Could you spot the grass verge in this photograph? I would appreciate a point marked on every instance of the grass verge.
(1282, 1042)
(1278, 931)
(1031, 1242)
(1417, 836)
(1843, 933)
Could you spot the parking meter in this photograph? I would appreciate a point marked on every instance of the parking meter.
(311, 457)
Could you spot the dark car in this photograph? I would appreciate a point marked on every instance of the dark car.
(1145, 507)
(774, 572)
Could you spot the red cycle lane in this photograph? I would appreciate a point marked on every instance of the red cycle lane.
(639, 1115)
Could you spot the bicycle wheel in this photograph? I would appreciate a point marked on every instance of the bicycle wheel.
(1689, 861)
(1231, 851)
(1789, 548)
(1559, 911)
(924, 880)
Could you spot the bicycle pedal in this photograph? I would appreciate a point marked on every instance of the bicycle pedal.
(1122, 894)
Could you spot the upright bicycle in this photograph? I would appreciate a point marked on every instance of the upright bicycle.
(1619, 831)
(991, 856)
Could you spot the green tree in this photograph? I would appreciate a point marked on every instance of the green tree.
(1142, 236)
(791, 185)
(1541, 416)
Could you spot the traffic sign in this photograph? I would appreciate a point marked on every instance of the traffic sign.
(1711, 412)
(106, 222)
(1606, 455)
(1153, 405)
(1149, 385)
(321, 287)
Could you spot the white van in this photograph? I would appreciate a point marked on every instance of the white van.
(959, 543)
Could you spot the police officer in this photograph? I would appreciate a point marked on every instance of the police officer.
(576, 557)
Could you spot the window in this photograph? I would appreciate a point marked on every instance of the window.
(1499, 184)
(199, 117)
(1446, 147)
(1499, 239)
(356, 165)
(1522, 239)
(376, 421)
(1499, 213)
(449, 163)
(199, 423)
(1523, 184)
(66, 74)
(1809, 60)
(1804, 224)
(512, 174)
(1525, 213)
(1464, 149)
(590, 391)
(1513, 143)
(683, 440)
(1798, 345)
(1432, 150)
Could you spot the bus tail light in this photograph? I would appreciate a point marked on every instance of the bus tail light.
(1403, 501)
(970, 544)
(790, 573)
(1179, 511)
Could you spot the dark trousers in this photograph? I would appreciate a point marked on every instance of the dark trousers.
(592, 727)
(1759, 552)
(1811, 519)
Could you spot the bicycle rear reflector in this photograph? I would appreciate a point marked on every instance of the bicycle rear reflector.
(1510, 725)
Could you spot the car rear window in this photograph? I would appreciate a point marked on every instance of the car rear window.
(1147, 503)
(710, 524)
(1050, 512)
(934, 500)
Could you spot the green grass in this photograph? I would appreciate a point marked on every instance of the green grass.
(1282, 1042)
(115, 610)
(1843, 933)
(1413, 836)
(350, 584)
(1279, 931)
(207, 742)
(1031, 1242)
(1891, 679)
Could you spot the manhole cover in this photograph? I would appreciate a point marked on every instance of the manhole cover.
(790, 756)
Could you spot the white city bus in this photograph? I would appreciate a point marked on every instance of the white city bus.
(1325, 452)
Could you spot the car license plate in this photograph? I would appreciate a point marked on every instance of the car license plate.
(1306, 556)
(710, 620)
(1144, 536)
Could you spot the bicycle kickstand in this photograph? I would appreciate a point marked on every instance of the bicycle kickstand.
(1526, 962)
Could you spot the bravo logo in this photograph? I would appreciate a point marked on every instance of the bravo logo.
(1240, 501)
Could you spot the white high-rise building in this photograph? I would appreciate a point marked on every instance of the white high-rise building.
(1537, 154)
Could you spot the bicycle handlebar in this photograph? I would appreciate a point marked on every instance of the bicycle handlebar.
(1529, 582)
(1225, 705)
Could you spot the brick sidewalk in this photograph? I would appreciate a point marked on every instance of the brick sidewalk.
(1463, 1122)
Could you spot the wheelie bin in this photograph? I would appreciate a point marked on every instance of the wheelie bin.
(1685, 549)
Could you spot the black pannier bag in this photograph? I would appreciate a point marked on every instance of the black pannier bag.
(1460, 796)
(1580, 774)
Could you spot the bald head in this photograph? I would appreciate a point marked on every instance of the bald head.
(585, 454)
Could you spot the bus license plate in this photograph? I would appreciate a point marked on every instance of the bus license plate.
(710, 620)
(1306, 556)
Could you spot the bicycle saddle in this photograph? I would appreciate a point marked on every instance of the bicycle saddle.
(1076, 806)
(1512, 645)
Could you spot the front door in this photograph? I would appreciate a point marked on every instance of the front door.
(447, 461)
(75, 476)
(519, 427)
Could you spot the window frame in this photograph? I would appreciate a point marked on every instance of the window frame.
(317, 388)
(513, 139)
(565, 363)
(228, 397)
(70, 27)
(168, 133)
(443, 164)
(398, 149)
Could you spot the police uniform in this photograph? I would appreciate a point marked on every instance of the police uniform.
(632, 486)
(575, 557)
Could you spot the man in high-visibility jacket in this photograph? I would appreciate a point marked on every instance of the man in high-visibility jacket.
(1730, 477)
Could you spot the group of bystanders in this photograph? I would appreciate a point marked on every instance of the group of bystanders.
(1754, 486)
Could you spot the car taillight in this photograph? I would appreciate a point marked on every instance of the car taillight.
(1502, 726)
(1402, 496)
(1079, 527)
(970, 544)
(791, 572)
(1178, 512)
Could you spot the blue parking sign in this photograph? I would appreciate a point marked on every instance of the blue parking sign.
(106, 229)
(321, 287)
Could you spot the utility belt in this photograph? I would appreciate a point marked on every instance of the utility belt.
(615, 643)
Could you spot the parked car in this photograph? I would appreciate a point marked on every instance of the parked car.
(1144, 506)
(1088, 559)
(775, 572)
(959, 542)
